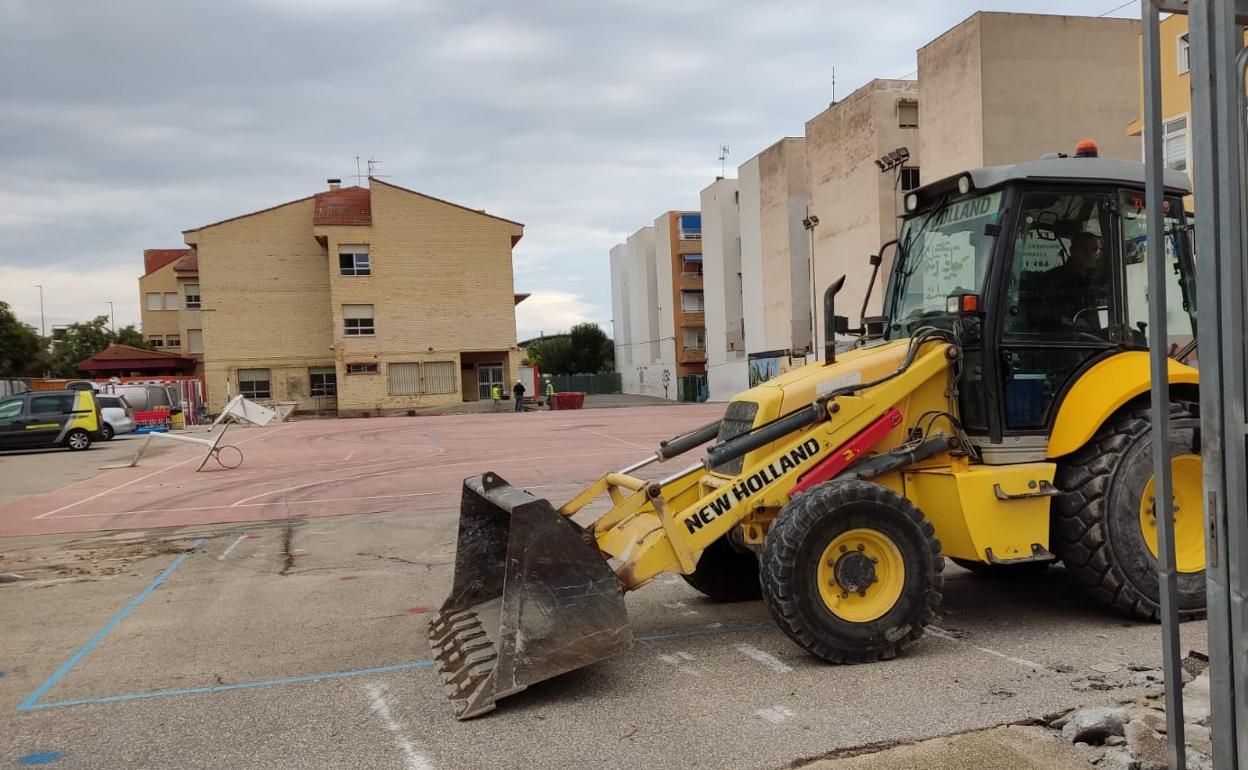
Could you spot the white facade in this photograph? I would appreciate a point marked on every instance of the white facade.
(726, 370)
(621, 313)
(635, 307)
(775, 249)
(666, 291)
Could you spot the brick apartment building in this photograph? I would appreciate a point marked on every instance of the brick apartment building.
(357, 300)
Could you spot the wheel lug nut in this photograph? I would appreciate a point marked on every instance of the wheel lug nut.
(863, 592)
(875, 560)
(844, 549)
(844, 594)
(861, 547)
(831, 562)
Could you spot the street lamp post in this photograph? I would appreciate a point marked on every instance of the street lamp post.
(112, 324)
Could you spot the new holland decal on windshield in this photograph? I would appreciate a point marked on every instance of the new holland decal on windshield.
(751, 485)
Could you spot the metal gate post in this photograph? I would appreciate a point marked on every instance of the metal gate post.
(1218, 105)
(1158, 345)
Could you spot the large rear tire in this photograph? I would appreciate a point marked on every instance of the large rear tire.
(726, 574)
(851, 571)
(1103, 527)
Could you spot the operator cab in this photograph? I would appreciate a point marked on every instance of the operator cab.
(1041, 269)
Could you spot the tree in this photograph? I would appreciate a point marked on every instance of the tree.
(586, 349)
(83, 340)
(20, 345)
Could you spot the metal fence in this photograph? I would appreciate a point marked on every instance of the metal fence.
(585, 383)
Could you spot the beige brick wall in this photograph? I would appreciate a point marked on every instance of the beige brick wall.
(272, 298)
(158, 322)
(264, 289)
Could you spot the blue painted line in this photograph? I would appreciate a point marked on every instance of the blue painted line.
(33, 698)
(41, 757)
(414, 665)
(411, 666)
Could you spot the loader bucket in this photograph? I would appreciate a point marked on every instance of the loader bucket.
(532, 598)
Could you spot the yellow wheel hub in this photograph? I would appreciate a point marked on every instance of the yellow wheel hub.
(1189, 533)
(861, 575)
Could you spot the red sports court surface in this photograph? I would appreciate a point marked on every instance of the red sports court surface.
(332, 467)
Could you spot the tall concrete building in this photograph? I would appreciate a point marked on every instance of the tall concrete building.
(376, 299)
(726, 370)
(682, 303)
(775, 249)
(645, 360)
(1007, 87)
(856, 204)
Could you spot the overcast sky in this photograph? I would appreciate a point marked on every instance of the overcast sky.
(123, 123)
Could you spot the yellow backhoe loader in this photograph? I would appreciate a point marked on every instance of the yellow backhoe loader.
(995, 414)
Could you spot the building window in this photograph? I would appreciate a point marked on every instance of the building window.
(354, 260)
(422, 379)
(692, 302)
(694, 338)
(361, 368)
(357, 320)
(690, 227)
(1174, 143)
(323, 381)
(254, 383)
(907, 114)
(194, 340)
(1183, 54)
(171, 300)
(191, 292)
(909, 178)
(156, 341)
(173, 340)
(153, 300)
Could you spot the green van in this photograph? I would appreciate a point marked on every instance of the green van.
(50, 418)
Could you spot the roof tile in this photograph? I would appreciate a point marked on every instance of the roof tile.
(347, 206)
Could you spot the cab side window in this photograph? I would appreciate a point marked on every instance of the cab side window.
(51, 405)
(10, 411)
(1059, 283)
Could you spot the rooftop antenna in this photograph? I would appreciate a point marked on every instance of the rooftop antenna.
(373, 163)
(359, 178)
(723, 156)
(834, 85)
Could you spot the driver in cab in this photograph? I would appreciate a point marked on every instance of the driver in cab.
(1074, 291)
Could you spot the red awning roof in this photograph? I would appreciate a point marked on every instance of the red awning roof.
(188, 264)
(128, 357)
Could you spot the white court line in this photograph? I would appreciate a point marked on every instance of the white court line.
(193, 509)
(375, 474)
(766, 658)
(613, 438)
(226, 553)
(412, 759)
(943, 634)
(350, 455)
(140, 478)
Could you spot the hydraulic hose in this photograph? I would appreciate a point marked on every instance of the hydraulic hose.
(880, 464)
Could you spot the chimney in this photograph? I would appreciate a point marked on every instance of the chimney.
(334, 184)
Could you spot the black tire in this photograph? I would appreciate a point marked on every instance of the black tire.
(78, 440)
(726, 574)
(1096, 520)
(1030, 570)
(790, 566)
(107, 432)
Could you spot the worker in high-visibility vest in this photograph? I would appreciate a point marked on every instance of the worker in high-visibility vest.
(550, 395)
(496, 393)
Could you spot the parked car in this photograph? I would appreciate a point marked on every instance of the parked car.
(141, 398)
(50, 418)
(118, 416)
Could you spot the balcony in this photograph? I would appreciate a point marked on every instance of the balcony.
(692, 355)
(691, 281)
(692, 317)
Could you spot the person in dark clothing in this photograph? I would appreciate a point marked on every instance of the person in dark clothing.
(518, 391)
(1068, 297)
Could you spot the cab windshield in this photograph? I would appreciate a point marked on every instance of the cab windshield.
(943, 250)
